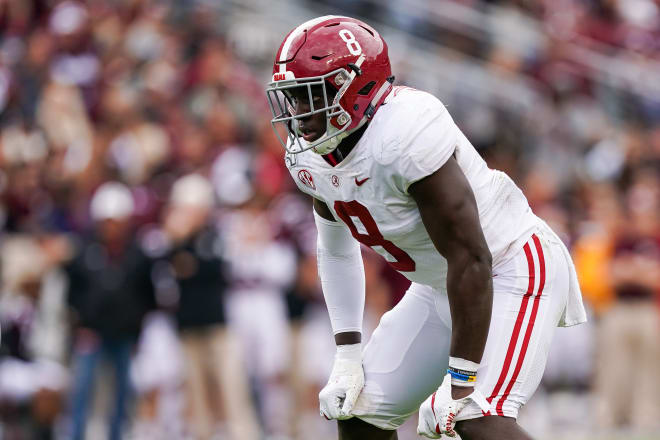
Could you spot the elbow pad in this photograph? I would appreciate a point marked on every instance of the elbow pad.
(341, 271)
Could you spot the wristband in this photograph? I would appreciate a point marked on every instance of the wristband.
(463, 372)
(352, 352)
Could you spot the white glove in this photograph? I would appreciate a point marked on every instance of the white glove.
(437, 413)
(338, 397)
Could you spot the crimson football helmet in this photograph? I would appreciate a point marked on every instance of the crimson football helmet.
(344, 58)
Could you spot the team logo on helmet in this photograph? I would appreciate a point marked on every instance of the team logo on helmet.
(306, 178)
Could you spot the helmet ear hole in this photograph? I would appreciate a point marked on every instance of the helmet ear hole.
(367, 88)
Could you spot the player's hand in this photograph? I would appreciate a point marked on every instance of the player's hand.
(338, 397)
(438, 412)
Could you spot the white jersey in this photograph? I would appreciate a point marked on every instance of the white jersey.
(411, 136)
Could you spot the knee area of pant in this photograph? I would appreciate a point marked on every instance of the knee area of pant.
(484, 427)
(354, 429)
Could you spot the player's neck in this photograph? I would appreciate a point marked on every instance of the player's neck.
(350, 141)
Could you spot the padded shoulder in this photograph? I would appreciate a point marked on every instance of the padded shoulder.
(407, 112)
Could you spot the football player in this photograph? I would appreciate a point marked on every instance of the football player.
(387, 167)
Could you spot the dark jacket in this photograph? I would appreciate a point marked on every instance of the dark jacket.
(110, 294)
(199, 276)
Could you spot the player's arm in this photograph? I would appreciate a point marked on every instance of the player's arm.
(449, 212)
(342, 278)
(335, 242)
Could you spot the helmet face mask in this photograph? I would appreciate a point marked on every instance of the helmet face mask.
(333, 65)
(321, 98)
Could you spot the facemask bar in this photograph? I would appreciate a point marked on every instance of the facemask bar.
(282, 108)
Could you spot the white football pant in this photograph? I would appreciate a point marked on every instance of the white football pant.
(406, 358)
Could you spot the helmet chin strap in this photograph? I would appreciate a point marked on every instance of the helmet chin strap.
(330, 144)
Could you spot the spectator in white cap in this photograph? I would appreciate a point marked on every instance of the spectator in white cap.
(112, 200)
(111, 210)
(190, 205)
(110, 291)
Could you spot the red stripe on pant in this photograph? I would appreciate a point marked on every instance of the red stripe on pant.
(530, 326)
(517, 325)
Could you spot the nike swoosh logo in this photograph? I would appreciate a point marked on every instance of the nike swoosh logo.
(360, 182)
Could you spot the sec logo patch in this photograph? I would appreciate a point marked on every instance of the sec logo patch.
(335, 180)
(306, 178)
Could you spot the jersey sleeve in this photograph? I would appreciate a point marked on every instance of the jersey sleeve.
(425, 143)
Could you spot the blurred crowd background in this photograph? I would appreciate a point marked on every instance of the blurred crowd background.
(158, 274)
